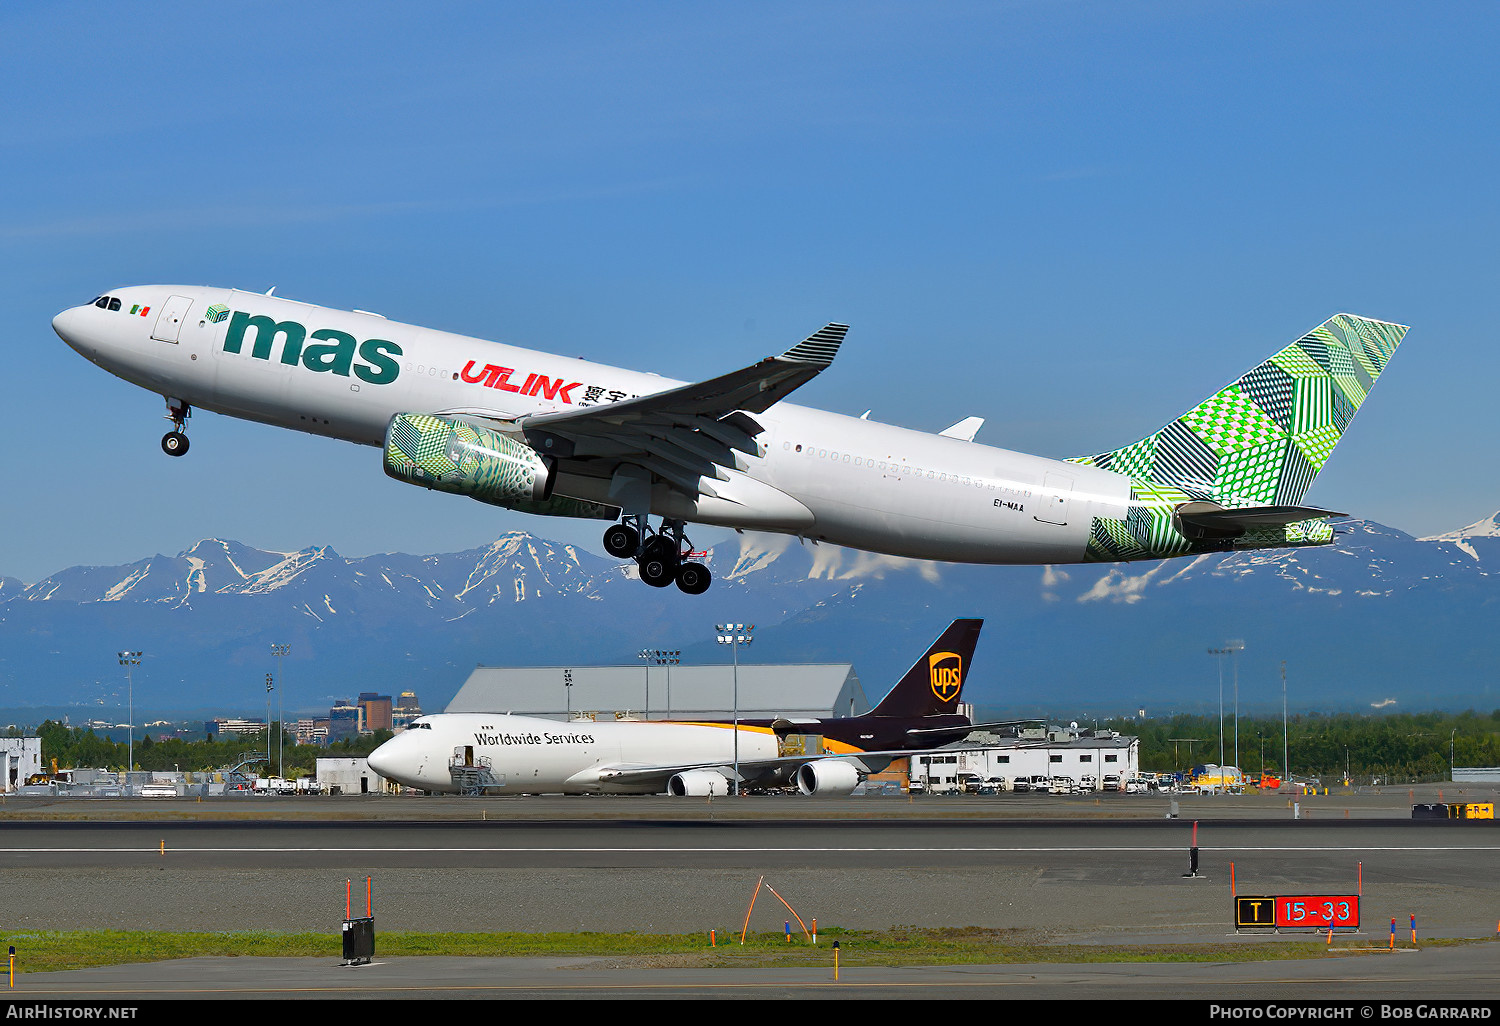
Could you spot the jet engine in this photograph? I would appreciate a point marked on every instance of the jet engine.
(454, 456)
(698, 783)
(827, 777)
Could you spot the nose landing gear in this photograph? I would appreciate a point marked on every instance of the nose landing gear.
(175, 442)
(662, 558)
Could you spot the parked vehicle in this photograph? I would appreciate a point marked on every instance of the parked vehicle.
(1112, 782)
(1062, 785)
(1088, 782)
(998, 783)
(1021, 784)
(1041, 784)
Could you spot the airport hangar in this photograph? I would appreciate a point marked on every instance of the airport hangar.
(665, 692)
(789, 691)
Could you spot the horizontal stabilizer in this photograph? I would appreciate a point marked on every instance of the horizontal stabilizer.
(1200, 520)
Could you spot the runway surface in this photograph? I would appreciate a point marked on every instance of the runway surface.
(1102, 872)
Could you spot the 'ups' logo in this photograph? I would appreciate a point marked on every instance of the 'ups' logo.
(947, 671)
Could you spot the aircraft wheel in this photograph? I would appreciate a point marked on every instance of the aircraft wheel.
(621, 541)
(656, 572)
(693, 578)
(662, 548)
(174, 443)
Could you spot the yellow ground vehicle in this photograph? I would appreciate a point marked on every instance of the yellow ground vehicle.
(60, 776)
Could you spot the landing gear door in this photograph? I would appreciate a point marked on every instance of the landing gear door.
(1057, 490)
(169, 322)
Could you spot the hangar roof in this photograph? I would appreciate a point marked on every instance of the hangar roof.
(665, 692)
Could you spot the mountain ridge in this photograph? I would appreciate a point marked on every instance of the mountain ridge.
(1376, 619)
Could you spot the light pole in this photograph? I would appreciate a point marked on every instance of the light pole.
(660, 657)
(280, 651)
(734, 635)
(568, 690)
(130, 660)
(1286, 754)
(1189, 741)
(270, 687)
(644, 655)
(1451, 763)
(1220, 653)
(1235, 647)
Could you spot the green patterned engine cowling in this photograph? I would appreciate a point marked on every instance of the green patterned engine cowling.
(456, 457)
(1257, 442)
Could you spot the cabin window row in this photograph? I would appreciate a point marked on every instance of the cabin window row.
(903, 469)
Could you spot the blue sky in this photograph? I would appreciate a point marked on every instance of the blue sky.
(1072, 219)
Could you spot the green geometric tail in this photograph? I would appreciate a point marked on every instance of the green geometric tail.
(1259, 441)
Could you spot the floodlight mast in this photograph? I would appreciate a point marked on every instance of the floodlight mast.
(734, 635)
(130, 660)
(280, 651)
(1220, 653)
(660, 657)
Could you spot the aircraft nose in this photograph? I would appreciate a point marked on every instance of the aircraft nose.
(393, 760)
(67, 327)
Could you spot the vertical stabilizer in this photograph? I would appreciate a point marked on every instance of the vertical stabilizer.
(935, 681)
(1261, 440)
(1254, 446)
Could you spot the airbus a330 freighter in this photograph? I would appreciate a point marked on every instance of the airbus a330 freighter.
(495, 753)
(556, 436)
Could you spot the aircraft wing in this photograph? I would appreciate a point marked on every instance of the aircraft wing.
(684, 434)
(750, 768)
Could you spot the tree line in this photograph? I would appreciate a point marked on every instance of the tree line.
(77, 747)
(1394, 747)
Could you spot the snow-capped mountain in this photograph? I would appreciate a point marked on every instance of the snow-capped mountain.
(1378, 617)
(1481, 540)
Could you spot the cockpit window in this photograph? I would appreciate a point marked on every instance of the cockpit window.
(114, 304)
(102, 302)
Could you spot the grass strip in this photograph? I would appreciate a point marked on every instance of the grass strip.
(51, 951)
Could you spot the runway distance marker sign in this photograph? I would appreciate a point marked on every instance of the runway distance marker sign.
(1297, 912)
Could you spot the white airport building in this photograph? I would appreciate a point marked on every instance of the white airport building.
(350, 776)
(20, 757)
(1082, 755)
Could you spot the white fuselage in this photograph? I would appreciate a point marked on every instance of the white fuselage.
(533, 755)
(820, 475)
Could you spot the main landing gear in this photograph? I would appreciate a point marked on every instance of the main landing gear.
(662, 557)
(175, 442)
